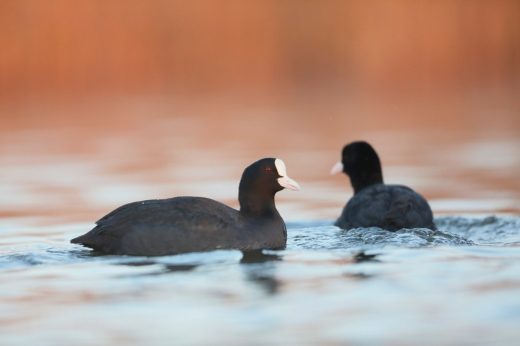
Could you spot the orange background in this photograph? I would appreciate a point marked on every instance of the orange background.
(147, 90)
(62, 46)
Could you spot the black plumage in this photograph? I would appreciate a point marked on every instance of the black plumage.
(375, 204)
(189, 224)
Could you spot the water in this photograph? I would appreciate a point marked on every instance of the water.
(459, 285)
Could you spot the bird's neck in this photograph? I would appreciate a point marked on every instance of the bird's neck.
(359, 181)
(257, 204)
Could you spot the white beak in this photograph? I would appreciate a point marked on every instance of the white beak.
(338, 167)
(288, 183)
(284, 180)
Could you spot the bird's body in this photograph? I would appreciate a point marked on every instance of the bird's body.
(182, 224)
(375, 204)
(188, 224)
(391, 207)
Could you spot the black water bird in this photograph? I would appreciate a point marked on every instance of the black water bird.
(375, 204)
(192, 224)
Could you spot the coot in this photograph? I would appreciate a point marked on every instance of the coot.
(375, 204)
(190, 224)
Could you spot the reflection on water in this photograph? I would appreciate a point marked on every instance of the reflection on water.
(257, 256)
(365, 286)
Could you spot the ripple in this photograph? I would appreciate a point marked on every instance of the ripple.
(318, 235)
(490, 230)
(332, 237)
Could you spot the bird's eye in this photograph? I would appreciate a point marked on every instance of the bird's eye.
(268, 170)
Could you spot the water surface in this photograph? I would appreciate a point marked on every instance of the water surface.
(459, 285)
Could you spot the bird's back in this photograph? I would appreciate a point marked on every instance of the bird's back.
(158, 227)
(391, 207)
